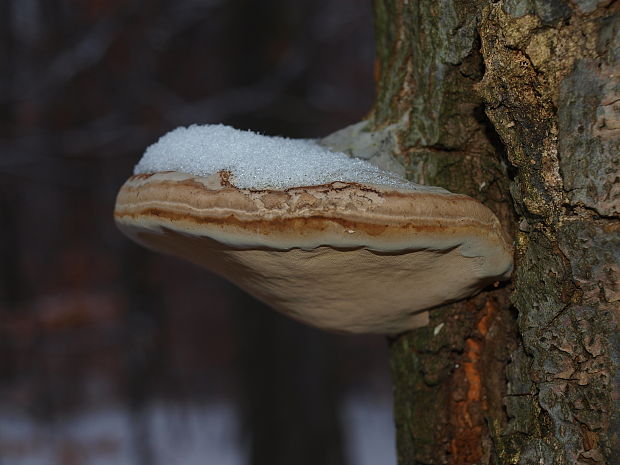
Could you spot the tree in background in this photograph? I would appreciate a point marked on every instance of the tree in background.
(88, 320)
(515, 103)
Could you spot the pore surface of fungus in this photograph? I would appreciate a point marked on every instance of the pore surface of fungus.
(328, 240)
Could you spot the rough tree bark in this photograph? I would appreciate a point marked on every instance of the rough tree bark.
(516, 103)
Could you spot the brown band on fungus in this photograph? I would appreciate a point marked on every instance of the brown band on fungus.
(341, 256)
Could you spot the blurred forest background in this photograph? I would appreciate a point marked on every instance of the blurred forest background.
(111, 354)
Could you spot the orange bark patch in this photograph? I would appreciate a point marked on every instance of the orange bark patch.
(468, 402)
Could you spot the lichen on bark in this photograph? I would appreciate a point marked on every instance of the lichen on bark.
(548, 85)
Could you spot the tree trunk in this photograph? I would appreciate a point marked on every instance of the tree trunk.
(513, 102)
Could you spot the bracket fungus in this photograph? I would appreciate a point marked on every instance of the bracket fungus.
(329, 240)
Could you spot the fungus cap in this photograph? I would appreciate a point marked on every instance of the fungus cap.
(344, 256)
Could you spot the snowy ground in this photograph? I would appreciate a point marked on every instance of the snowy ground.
(173, 434)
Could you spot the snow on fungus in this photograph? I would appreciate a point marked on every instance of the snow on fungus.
(258, 162)
(326, 239)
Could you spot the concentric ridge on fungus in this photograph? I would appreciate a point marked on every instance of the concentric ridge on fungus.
(343, 256)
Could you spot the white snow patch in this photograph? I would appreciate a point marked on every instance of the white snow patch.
(369, 430)
(260, 162)
(176, 434)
